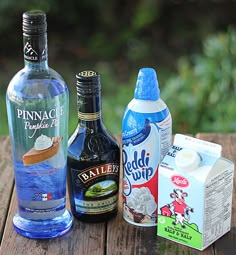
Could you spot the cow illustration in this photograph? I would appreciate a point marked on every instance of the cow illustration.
(181, 209)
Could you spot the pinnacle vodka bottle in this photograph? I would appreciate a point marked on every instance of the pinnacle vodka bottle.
(37, 105)
(146, 138)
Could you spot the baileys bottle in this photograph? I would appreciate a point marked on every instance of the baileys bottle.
(93, 157)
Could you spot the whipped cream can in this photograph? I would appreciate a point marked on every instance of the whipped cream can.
(146, 138)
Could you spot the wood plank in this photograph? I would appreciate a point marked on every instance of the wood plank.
(7, 180)
(82, 239)
(226, 244)
(125, 238)
(122, 238)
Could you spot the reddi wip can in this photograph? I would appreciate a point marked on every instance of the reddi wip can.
(146, 138)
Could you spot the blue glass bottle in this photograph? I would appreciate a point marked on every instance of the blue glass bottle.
(37, 106)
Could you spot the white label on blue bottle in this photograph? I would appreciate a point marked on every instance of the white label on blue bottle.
(146, 138)
(39, 155)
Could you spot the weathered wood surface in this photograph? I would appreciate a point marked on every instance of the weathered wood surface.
(114, 237)
(124, 238)
(6, 180)
(82, 239)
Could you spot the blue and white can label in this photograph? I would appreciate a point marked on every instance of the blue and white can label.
(146, 138)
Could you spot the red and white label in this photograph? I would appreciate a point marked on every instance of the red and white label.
(179, 181)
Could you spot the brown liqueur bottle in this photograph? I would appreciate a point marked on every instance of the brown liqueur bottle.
(93, 157)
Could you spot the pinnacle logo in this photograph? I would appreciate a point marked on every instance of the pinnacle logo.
(29, 52)
(32, 54)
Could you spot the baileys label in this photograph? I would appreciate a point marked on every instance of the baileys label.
(96, 188)
(97, 171)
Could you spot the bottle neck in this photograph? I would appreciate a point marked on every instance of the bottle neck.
(35, 51)
(89, 110)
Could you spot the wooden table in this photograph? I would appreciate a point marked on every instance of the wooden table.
(114, 237)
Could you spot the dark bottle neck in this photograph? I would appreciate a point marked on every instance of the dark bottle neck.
(89, 99)
(35, 51)
(89, 110)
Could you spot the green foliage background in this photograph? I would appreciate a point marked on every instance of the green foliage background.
(205, 87)
(191, 44)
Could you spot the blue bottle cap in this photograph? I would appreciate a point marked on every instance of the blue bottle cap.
(147, 87)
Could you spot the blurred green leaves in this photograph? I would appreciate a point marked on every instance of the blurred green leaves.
(145, 13)
(202, 95)
(116, 38)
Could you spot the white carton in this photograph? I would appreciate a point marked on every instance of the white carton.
(195, 187)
